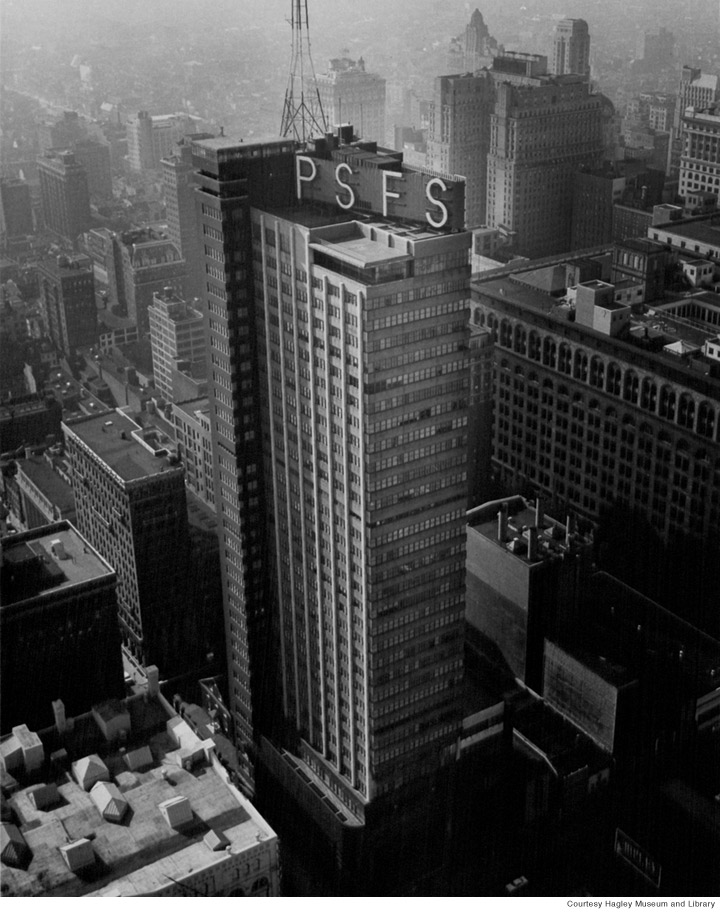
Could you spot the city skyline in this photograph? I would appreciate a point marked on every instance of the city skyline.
(402, 509)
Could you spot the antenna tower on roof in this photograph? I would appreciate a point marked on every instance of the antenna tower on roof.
(303, 115)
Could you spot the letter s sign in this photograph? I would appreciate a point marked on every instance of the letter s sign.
(350, 202)
(434, 222)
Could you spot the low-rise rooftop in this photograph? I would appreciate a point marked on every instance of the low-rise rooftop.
(508, 522)
(126, 448)
(34, 564)
(177, 822)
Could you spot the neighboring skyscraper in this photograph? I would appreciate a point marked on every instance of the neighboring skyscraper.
(544, 129)
(67, 291)
(700, 157)
(60, 636)
(131, 506)
(571, 48)
(176, 333)
(64, 194)
(459, 135)
(351, 95)
(518, 136)
(15, 208)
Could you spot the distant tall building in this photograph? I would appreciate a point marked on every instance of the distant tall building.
(62, 132)
(29, 419)
(571, 48)
(697, 90)
(176, 334)
(152, 137)
(700, 156)
(474, 49)
(351, 95)
(522, 188)
(182, 217)
(598, 193)
(131, 506)
(67, 291)
(543, 130)
(656, 49)
(44, 490)
(60, 638)
(64, 194)
(459, 135)
(15, 208)
(94, 156)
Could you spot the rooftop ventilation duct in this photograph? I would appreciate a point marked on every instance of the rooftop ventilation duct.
(78, 855)
(176, 811)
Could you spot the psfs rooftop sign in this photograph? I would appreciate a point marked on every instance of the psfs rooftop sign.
(392, 192)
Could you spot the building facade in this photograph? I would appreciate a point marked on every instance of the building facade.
(361, 522)
(194, 441)
(592, 420)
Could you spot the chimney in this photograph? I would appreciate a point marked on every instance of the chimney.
(57, 548)
(532, 544)
(539, 512)
(503, 522)
(569, 529)
(153, 680)
(59, 713)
